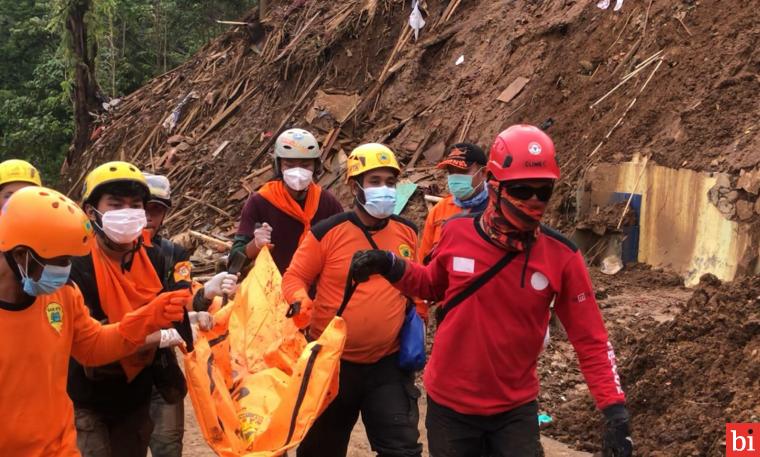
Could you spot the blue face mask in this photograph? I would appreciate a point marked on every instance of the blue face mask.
(379, 201)
(460, 186)
(53, 277)
(476, 202)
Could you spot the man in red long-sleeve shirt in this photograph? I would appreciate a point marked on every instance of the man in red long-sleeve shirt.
(481, 378)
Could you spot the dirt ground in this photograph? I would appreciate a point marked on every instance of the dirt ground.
(195, 446)
(686, 376)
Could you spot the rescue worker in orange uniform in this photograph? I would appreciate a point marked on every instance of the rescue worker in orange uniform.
(371, 382)
(44, 321)
(122, 273)
(465, 164)
(16, 174)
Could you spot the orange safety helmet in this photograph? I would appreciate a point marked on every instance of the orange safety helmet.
(46, 221)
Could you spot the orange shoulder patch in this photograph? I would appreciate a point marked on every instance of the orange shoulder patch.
(182, 271)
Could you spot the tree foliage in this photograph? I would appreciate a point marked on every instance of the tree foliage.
(132, 41)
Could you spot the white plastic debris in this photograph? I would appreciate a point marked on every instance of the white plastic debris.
(612, 265)
(460, 60)
(171, 121)
(111, 104)
(604, 4)
(416, 22)
(547, 337)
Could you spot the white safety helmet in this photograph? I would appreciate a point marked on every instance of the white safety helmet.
(296, 144)
(160, 189)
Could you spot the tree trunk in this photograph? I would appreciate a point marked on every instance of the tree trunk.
(85, 93)
(112, 45)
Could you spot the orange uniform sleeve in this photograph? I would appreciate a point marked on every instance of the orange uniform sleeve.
(304, 268)
(95, 344)
(428, 235)
(419, 304)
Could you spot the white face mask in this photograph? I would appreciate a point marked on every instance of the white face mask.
(124, 226)
(297, 178)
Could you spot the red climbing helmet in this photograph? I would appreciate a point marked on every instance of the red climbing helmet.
(523, 152)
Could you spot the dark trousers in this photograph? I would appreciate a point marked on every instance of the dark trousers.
(385, 396)
(168, 426)
(105, 435)
(510, 434)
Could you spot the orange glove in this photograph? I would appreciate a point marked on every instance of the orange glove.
(159, 313)
(303, 318)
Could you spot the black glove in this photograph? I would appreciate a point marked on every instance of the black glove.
(367, 263)
(617, 432)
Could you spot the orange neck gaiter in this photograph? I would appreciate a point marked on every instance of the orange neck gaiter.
(275, 193)
(123, 291)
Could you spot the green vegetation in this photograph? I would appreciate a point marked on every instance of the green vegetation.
(130, 41)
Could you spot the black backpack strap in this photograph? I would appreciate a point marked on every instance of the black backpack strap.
(476, 284)
(348, 292)
(369, 238)
(351, 285)
(169, 259)
(83, 274)
(167, 252)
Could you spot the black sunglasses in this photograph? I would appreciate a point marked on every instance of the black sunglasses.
(523, 192)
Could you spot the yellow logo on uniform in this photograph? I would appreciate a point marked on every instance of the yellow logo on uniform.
(54, 313)
(405, 251)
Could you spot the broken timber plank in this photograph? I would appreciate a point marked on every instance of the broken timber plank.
(286, 119)
(226, 113)
(220, 148)
(513, 89)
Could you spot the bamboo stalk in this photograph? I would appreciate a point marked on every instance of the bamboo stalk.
(628, 56)
(286, 119)
(419, 150)
(633, 191)
(628, 77)
(623, 30)
(215, 208)
(210, 239)
(232, 22)
(648, 60)
(465, 126)
(646, 19)
(181, 212)
(226, 113)
(148, 139)
(678, 18)
(297, 38)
